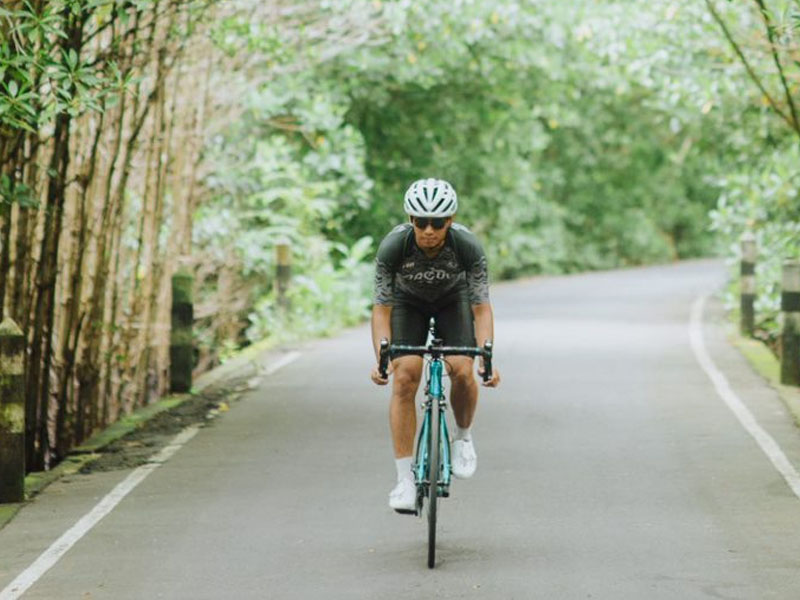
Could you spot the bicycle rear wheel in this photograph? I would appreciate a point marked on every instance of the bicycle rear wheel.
(434, 468)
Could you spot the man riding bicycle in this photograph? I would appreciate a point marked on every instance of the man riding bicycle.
(431, 267)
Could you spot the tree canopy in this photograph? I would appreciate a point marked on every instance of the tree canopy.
(141, 137)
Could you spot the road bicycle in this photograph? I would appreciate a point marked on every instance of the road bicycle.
(432, 467)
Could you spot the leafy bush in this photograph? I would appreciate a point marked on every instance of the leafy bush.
(321, 300)
(763, 199)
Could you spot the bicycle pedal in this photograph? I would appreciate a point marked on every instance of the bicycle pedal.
(404, 511)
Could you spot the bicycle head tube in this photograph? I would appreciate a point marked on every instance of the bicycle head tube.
(435, 388)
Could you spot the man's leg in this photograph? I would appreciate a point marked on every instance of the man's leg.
(455, 324)
(464, 400)
(403, 422)
(402, 411)
(464, 389)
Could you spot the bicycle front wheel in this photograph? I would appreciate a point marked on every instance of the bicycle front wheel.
(434, 468)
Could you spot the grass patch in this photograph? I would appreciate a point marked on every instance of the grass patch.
(760, 357)
(127, 424)
(7, 512)
(768, 366)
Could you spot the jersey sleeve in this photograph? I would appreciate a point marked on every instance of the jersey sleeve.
(478, 281)
(475, 266)
(388, 257)
(384, 280)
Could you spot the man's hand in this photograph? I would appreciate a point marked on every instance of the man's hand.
(494, 381)
(376, 375)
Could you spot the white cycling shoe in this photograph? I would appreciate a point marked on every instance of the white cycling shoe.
(464, 460)
(403, 498)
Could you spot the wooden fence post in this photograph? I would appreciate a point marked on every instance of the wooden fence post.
(283, 253)
(790, 338)
(12, 413)
(181, 349)
(748, 283)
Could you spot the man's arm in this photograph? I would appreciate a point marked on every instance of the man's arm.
(484, 330)
(381, 326)
(484, 323)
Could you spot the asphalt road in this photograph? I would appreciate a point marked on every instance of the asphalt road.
(609, 468)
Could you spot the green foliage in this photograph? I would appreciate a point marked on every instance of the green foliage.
(584, 135)
(562, 159)
(290, 170)
(41, 74)
(12, 192)
(322, 299)
(763, 199)
(580, 135)
(47, 69)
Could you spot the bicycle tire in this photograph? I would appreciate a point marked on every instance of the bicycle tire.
(434, 467)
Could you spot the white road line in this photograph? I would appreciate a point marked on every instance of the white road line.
(62, 545)
(765, 441)
(289, 358)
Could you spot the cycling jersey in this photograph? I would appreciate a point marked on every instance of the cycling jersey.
(403, 272)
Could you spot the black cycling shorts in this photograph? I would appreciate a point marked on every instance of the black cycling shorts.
(453, 314)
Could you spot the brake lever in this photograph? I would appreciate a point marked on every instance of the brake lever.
(487, 361)
(383, 363)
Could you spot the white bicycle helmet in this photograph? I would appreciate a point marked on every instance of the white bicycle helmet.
(430, 198)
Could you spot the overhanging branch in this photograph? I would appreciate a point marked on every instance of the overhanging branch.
(750, 71)
(776, 57)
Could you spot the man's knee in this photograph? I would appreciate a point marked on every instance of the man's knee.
(407, 375)
(461, 370)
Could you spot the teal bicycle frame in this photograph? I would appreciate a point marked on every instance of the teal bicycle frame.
(435, 397)
(434, 391)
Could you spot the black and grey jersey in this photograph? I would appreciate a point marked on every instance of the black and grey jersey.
(402, 268)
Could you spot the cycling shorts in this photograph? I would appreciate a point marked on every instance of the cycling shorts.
(453, 314)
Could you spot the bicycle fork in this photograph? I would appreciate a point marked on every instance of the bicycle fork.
(444, 436)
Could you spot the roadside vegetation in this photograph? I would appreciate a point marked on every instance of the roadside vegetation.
(139, 137)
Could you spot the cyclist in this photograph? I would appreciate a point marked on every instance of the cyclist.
(431, 267)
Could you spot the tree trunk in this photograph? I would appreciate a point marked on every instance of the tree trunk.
(88, 369)
(9, 170)
(21, 287)
(5, 253)
(42, 344)
(153, 383)
(72, 324)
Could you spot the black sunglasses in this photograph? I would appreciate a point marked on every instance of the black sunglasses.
(435, 222)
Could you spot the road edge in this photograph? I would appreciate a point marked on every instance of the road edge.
(767, 365)
(250, 361)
